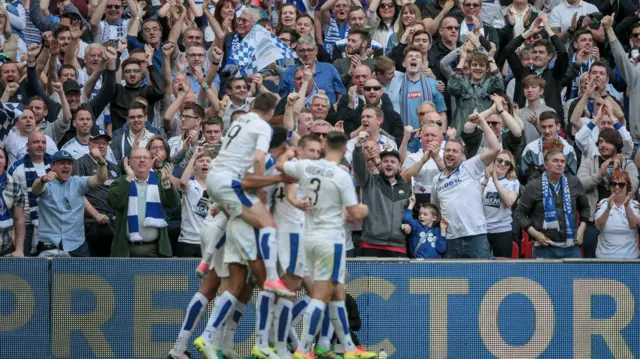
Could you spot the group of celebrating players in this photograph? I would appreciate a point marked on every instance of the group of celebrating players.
(254, 183)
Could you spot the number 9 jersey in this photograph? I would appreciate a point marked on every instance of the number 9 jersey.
(247, 134)
(330, 189)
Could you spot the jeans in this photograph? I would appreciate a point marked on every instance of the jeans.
(550, 252)
(99, 237)
(468, 247)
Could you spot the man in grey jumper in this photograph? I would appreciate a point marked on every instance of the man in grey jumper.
(387, 196)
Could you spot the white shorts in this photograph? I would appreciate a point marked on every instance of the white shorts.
(326, 260)
(227, 192)
(242, 242)
(206, 234)
(291, 257)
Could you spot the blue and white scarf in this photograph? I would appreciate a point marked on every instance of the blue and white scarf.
(6, 221)
(155, 212)
(550, 213)
(31, 176)
(117, 29)
(576, 81)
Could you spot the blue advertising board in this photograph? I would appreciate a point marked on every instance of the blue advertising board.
(133, 308)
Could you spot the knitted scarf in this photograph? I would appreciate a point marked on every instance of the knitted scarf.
(404, 101)
(550, 213)
(31, 176)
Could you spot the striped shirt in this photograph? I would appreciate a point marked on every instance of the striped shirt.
(335, 33)
(31, 33)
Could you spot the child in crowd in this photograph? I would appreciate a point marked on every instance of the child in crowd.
(427, 241)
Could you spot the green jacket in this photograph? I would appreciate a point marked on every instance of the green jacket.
(119, 201)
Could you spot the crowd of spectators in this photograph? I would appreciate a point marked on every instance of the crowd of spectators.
(477, 127)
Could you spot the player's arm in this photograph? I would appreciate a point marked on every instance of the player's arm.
(253, 181)
(357, 212)
(260, 159)
(280, 164)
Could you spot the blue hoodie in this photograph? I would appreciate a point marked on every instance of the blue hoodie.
(425, 242)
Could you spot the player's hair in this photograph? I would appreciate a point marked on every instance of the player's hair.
(38, 98)
(279, 137)
(265, 102)
(197, 109)
(549, 115)
(237, 113)
(336, 141)
(302, 142)
(431, 208)
(533, 80)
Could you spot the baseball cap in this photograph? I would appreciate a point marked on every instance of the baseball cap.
(389, 151)
(98, 132)
(70, 85)
(62, 155)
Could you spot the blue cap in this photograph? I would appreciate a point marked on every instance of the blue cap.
(62, 155)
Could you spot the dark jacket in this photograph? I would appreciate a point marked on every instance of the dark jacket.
(392, 123)
(125, 95)
(437, 52)
(530, 210)
(386, 203)
(554, 76)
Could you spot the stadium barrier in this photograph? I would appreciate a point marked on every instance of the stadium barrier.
(133, 308)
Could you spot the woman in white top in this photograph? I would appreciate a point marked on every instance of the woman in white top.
(383, 15)
(501, 189)
(617, 219)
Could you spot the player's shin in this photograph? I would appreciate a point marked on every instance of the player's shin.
(196, 308)
(311, 321)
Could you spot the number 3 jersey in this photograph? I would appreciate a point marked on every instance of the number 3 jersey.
(247, 134)
(330, 190)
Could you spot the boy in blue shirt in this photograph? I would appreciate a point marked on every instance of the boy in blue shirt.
(427, 241)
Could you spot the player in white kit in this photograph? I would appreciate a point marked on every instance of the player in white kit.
(331, 191)
(245, 146)
(243, 249)
(288, 204)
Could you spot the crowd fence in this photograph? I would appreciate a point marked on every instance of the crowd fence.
(133, 308)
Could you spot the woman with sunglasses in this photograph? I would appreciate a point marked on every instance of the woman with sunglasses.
(500, 193)
(617, 219)
(385, 13)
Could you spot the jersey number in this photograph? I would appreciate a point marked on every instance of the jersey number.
(278, 194)
(317, 183)
(233, 132)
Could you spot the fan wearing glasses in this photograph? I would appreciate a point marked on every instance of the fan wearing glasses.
(595, 173)
(114, 27)
(373, 94)
(472, 23)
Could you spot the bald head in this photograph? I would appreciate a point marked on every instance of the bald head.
(360, 75)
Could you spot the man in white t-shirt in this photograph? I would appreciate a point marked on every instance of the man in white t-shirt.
(458, 193)
(113, 27)
(372, 117)
(330, 191)
(424, 165)
(79, 145)
(16, 142)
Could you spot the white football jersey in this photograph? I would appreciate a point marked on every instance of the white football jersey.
(246, 135)
(287, 217)
(330, 190)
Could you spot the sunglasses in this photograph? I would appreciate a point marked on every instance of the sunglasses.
(635, 35)
(116, 7)
(386, 6)
(450, 28)
(619, 184)
(471, 5)
(305, 51)
(493, 123)
(319, 134)
(372, 88)
(501, 161)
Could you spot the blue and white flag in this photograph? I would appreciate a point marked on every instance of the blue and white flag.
(258, 50)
